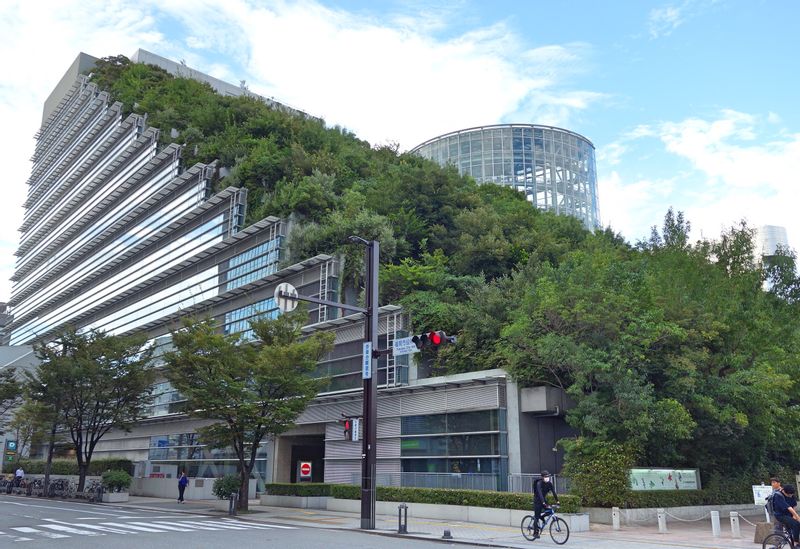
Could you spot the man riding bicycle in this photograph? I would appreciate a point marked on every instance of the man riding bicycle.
(541, 487)
(784, 513)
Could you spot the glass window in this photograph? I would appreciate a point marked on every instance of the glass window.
(423, 446)
(419, 425)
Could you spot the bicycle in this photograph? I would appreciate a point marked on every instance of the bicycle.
(779, 540)
(559, 531)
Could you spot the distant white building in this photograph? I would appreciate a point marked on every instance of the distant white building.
(768, 238)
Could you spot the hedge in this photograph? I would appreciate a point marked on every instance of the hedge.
(70, 467)
(305, 489)
(684, 498)
(476, 498)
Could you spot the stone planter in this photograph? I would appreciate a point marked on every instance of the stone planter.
(298, 502)
(221, 505)
(115, 497)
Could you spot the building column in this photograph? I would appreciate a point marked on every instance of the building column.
(512, 425)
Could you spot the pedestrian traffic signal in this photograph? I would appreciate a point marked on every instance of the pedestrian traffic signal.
(436, 338)
(348, 429)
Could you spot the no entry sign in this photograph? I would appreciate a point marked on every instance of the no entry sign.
(305, 469)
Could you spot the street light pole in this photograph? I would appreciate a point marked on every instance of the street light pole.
(286, 294)
(370, 400)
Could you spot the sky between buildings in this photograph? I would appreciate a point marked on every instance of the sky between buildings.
(691, 104)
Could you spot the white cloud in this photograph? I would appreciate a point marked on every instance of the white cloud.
(738, 171)
(664, 20)
(396, 80)
(631, 208)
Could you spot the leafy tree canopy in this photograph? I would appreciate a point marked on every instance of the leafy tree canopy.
(674, 348)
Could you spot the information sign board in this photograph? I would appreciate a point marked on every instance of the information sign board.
(404, 346)
(665, 479)
(366, 363)
(760, 493)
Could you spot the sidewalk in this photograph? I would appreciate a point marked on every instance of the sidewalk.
(680, 534)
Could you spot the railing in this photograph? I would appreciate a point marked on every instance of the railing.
(452, 481)
(522, 483)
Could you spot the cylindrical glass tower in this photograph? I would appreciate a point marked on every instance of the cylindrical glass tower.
(555, 168)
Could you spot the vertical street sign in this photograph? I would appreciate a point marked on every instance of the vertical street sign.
(366, 361)
(356, 425)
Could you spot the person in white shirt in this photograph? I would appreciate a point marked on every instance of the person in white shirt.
(19, 475)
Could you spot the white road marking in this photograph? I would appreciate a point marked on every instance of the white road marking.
(265, 526)
(27, 530)
(215, 524)
(199, 525)
(59, 508)
(165, 526)
(92, 527)
(131, 526)
(70, 530)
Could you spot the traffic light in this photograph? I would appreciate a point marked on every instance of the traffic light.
(435, 338)
(348, 429)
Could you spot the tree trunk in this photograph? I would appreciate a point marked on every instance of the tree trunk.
(49, 464)
(83, 468)
(244, 490)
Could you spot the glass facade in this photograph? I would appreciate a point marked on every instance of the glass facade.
(555, 168)
(460, 442)
(185, 451)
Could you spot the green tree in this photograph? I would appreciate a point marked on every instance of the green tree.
(90, 383)
(253, 390)
(10, 392)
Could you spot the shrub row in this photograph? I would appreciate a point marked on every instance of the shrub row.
(305, 489)
(70, 467)
(682, 498)
(476, 498)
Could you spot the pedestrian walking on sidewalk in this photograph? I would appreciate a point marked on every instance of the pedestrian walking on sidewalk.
(182, 483)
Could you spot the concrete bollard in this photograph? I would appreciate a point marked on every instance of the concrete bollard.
(402, 525)
(735, 531)
(615, 518)
(715, 530)
(662, 521)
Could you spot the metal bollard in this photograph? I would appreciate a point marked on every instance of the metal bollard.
(615, 518)
(715, 530)
(402, 519)
(662, 521)
(447, 535)
(232, 501)
(735, 531)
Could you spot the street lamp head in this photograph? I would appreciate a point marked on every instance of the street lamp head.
(358, 240)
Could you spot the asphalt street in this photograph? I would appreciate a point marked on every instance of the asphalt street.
(33, 523)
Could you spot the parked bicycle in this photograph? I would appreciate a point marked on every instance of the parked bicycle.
(559, 531)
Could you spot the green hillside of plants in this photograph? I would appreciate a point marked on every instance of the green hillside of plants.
(673, 351)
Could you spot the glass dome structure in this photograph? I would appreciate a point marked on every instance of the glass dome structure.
(555, 168)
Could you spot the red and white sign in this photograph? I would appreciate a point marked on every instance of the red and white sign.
(305, 469)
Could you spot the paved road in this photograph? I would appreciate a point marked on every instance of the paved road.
(33, 523)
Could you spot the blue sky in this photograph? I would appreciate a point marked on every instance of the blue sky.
(690, 104)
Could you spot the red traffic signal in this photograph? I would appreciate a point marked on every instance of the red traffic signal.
(348, 429)
(435, 338)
